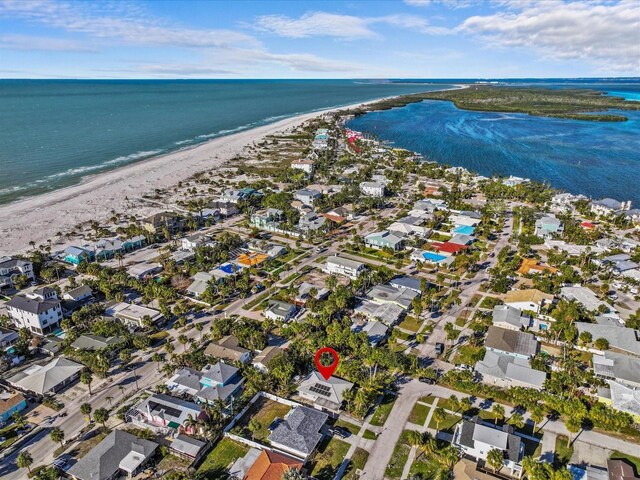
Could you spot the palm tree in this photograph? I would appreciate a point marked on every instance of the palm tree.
(183, 340)
(439, 415)
(156, 357)
(87, 378)
(495, 459)
(57, 435)
(498, 412)
(574, 425)
(516, 420)
(110, 399)
(19, 420)
(537, 415)
(86, 409)
(121, 388)
(25, 460)
(101, 415)
(293, 474)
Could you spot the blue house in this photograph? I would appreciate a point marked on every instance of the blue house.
(11, 403)
(75, 255)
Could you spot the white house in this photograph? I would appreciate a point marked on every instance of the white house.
(10, 268)
(194, 241)
(281, 311)
(344, 266)
(307, 195)
(305, 165)
(39, 312)
(372, 189)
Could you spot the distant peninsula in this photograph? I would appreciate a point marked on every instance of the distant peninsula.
(573, 104)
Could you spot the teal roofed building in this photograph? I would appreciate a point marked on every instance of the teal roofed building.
(76, 255)
(384, 239)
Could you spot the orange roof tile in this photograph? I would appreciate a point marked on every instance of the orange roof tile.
(252, 258)
(271, 466)
(529, 264)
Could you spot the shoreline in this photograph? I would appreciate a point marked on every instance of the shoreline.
(39, 218)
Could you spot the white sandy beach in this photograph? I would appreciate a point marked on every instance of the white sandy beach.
(39, 218)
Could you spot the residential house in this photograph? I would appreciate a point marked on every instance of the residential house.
(306, 165)
(218, 382)
(118, 454)
(609, 206)
(531, 300)
(532, 266)
(267, 218)
(373, 189)
(144, 270)
(511, 342)
(220, 209)
(305, 290)
(188, 448)
(280, 311)
(385, 239)
(261, 361)
(191, 242)
(465, 217)
(548, 226)
(439, 259)
(512, 181)
(411, 225)
(163, 413)
(311, 221)
(326, 395)
(228, 348)
(508, 371)
(462, 238)
(617, 366)
(618, 264)
(622, 397)
(382, 294)
(271, 465)
(447, 249)
(7, 337)
(404, 282)
(11, 269)
(621, 338)
(158, 222)
(108, 248)
(51, 345)
(620, 470)
(477, 440)
(50, 378)
(344, 266)
(77, 255)
(200, 283)
(133, 315)
(585, 297)
(388, 313)
(81, 294)
(375, 331)
(232, 195)
(39, 312)
(510, 318)
(307, 196)
(299, 432)
(96, 343)
(10, 403)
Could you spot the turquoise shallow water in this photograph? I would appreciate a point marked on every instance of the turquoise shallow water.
(598, 159)
(52, 133)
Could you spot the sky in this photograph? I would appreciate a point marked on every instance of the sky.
(319, 39)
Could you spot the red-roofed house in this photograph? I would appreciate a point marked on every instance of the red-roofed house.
(448, 248)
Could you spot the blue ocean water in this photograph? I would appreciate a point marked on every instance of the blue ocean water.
(598, 159)
(54, 132)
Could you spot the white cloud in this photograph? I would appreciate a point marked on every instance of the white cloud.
(605, 33)
(116, 21)
(26, 42)
(348, 27)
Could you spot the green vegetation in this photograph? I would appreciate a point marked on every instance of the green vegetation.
(469, 355)
(357, 462)
(564, 451)
(419, 413)
(255, 423)
(573, 104)
(221, 457)
(354, 429)
(383, 410)
(369, 435)
(399, 457)
(410, 323)
(328, 458)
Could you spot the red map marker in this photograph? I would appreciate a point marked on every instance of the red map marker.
(326, 372)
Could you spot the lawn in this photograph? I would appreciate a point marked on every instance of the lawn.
(428, 399)
(424, 467)
(10, 434)
(410, 323)
(383, 411)
(399, 458)
(469, 355)
(490, 302)
(447, 424)
(354, 429)
(369, 435)
(221, 457)
(419, 413)
(564, 451)
(328, 458)
(630, 459)
(256, 421)
(357, 462)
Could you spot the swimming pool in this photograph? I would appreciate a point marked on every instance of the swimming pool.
(433, 257)
(464, 230)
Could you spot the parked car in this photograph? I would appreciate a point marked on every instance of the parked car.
(427, 380)
(341, 432)
(439, 348)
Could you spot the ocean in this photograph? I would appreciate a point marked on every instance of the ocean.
(54, 132)
(597, 159)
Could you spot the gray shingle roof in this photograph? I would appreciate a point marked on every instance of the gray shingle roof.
(41, 379)
(511, 341)
(103, 461)
(300, 430)
(32, 305)
(220, 372)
